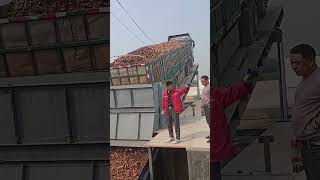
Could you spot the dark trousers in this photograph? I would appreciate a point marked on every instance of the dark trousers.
(215, 171)
(207, 114)
(311, 161)
(173, 117)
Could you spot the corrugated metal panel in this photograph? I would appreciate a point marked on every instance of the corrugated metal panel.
(47, 113)
(51, 171)
(112, 102)
(128, 126)
(7, 123)
(123, 98)
(146, 124)
(134, 115)
(12, 172)
(133, 96)
(113, 126)
(51, 114)
(87, 112)
(143, 97)
(132, 126)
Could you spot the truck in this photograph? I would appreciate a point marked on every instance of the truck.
(53, 99)
(135, 102)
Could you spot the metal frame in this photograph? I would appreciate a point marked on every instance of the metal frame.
(282, 79)
(62, 81)
(150, 163)
(54, 79)
(58, 45)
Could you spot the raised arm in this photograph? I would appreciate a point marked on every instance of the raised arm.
(233, 93)
(182, 91)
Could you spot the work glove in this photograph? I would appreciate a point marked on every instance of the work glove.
(250, 75)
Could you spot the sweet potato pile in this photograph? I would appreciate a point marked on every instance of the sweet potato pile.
(146, 54)
(40, 7)
(126, 163)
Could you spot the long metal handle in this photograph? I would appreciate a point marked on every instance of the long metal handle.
(282, 82)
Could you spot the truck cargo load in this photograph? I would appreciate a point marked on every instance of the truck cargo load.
(154, 63)
(36, 7)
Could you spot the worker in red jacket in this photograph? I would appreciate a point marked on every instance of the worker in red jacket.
(221, 148)
(172, 107)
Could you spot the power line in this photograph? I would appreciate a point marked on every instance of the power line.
(134, 21)
(128, 29)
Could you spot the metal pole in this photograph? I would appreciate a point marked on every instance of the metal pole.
(150, 164)
(282, 82)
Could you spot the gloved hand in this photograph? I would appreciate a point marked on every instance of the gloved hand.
(188, 85)
(297, 165)
(250, 76)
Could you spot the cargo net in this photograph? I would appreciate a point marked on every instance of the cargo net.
(41, 7)
(145, 54)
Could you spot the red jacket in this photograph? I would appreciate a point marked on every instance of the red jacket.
(175, 99)
(221, 146)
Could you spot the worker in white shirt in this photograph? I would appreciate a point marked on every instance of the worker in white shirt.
(205, 100)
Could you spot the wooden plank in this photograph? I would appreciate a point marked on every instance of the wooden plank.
(98, 26)
(14, 35)
(20, 64)
(71, 28)
(42, 32)
(101, 54)
(77, 59)
(48, 62)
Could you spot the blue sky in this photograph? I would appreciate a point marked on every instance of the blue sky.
(159, 19)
